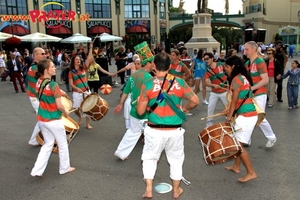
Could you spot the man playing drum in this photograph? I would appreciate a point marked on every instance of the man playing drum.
(259, 73)
(38, 54)
(241, 105)
(164, 130)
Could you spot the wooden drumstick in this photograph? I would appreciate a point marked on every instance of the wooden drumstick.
(211, 116)
(72, 110)
(95, 38)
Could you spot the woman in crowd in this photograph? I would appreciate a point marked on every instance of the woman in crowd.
(199, 67)
(274, 72)
(121, 60)
(65, 69)
(49, 117)
(240, 89)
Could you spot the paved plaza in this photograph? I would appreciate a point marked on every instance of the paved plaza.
(100, 175)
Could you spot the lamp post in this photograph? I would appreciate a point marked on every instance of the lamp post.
(118, 14)
(155, 14)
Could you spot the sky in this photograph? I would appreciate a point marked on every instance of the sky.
(217, 5)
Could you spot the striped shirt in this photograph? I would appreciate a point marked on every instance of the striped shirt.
(77, 81)
(178, 69)
(242, 85)
(256, 68)
(31, 80)
(163, 114)
(215, 75)
(48, 109)
(133, 85)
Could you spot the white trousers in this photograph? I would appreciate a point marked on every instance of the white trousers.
(264, 125)
(212, 103)
(172, 141)
(35, 104)
(130, 138)
(53, 130)
(247, 125)
(127, 108)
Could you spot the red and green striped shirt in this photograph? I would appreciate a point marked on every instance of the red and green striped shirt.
(256, 68)
(31, 80)
(242, 85)
(48, 109)
(76, 80)
(178, 69)
(163, 114)
(213, 75)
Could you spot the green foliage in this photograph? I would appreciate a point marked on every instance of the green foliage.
(174, 9)
(233, 35)
(278, 37)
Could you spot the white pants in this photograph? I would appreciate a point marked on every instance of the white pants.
(264, 125)
(78, 98)
(172, 141)
(212, 103)
(130, 138)
(247, 125)
(35, 104)
(127, 108)
(53, 130)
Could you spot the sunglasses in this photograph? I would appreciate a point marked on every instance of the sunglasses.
(206, 59)
(42, 53)
(269, 53)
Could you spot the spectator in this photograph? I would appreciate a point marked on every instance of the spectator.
(15, 67)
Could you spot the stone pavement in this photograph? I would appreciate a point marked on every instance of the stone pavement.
(100, 175)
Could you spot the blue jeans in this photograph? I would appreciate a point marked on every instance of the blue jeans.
(292, 94)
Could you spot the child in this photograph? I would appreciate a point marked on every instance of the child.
(293, 84)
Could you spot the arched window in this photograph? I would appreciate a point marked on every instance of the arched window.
(137, 9)
(98, 8)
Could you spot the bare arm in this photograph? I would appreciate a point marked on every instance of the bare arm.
(192, 103)
(61, 107)
(104, 71)
(90, 55)
(264, 81)
(119, 107)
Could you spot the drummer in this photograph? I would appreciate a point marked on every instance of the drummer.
(79, 84)
(49, 119)
(240, 87)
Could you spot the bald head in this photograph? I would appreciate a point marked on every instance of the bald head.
(38, 54)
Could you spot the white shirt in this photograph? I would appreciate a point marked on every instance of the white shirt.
(59, 58)
(15, 65)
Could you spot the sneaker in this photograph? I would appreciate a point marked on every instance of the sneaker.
(189, 114)
(270, 143)
(280, 100)
(270, 105)
(204, 102)
(295, 106)
(290, 108)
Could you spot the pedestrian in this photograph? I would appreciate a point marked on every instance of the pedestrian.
(49, 117)
(164, 129)
(15, 67)
(293, 84)
(259, 74)
(241, 105)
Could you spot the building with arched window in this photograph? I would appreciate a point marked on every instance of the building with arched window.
(132, 19)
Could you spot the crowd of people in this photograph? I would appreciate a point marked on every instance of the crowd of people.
(154, 86)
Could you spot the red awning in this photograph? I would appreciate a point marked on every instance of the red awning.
(16, 29)
(98, 30)
(137, 29)
(59, 31)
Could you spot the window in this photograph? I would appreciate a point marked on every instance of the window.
(137, 9)
(98, 8)
(162, 10)
(65, 3)
(13, 7)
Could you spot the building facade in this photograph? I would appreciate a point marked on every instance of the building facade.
(276, 16)
(141, 19)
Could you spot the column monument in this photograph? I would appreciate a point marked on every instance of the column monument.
(202, 38)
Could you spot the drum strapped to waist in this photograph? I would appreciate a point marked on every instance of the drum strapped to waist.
(71, 128)
(219, 143)
(94, 107)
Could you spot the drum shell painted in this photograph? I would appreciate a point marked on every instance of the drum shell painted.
(98, 111)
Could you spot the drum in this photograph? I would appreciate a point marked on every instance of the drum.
(67, 102)
(71, 128)
(260, 113)
(94, 107)
(219, 143)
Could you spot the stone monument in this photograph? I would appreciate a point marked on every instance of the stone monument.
(202, 38)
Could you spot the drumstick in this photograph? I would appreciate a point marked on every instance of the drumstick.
(72, 110)
(211, 116)
(94, 39)
(224, 88)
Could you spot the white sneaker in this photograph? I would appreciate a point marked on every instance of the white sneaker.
(204, 102)
(271, 143)
(189, 114)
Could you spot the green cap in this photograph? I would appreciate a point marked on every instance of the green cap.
(144, 52)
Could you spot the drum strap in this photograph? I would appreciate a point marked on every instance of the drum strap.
(43, 85)
(160, 96)
(246, 97)
(74, 71)
(211, 71)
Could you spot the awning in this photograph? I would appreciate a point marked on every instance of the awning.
(59, 31)
(16, 29)
(98, 30)
(137, 29)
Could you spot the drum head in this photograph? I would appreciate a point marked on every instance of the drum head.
(69, 123)
(67, 102)
(162, 188)
(89, 102)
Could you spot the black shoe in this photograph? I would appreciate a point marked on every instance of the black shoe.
(280, 100)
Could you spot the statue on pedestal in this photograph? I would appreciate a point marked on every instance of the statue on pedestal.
(202, 6)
